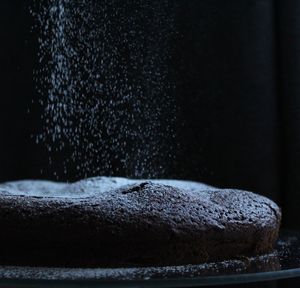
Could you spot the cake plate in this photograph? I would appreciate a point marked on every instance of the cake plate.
(284, 262)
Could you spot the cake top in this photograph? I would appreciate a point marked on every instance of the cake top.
(141, 198)
(90, 187)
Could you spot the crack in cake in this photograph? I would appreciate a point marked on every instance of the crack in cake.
(114, 222)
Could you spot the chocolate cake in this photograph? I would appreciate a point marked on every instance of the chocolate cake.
(109, 222)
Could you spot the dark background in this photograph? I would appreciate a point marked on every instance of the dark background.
(237, 90)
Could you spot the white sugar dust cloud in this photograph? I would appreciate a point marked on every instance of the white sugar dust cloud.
(105, 85)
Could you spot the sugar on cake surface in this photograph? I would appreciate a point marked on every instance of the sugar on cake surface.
(110, 221)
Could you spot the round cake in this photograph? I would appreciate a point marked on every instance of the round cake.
(113, 222)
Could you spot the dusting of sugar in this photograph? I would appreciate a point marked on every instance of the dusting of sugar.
(91, 187)
(105, 86)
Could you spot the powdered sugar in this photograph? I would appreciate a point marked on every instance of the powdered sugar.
(105, 86)
(91, 187)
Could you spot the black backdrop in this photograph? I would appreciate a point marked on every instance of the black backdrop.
(237, 93)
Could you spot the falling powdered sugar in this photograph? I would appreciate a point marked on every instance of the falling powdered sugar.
(105, 85)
